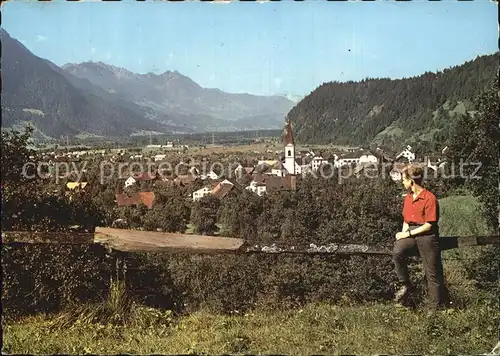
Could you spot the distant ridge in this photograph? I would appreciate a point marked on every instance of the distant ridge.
(95, 98)
(385, 111)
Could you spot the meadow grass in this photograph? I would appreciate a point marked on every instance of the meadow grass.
(461, 215)
(316, 328)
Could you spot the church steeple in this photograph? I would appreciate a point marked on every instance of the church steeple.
(287, 133)
(289, 148)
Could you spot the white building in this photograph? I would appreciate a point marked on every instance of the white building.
(368, 158)
(130, 182)
(317, 161)
(160, 157)
(279, 170)
(194, 171)
(435, 164)
(347, 159)
(212, 175)
(407, 153)
(257, 188)
(200, 193)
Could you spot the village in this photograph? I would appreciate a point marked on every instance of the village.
(220, 175)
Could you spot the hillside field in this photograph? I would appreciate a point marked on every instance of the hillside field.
(470, 328)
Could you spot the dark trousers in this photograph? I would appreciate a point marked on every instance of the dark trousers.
(427, 247)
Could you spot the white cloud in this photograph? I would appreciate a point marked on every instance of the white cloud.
(40, 38)
(171, 55)
(212, 77)
(92, 50)
(108, 55)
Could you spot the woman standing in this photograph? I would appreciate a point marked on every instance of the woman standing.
(419, 236)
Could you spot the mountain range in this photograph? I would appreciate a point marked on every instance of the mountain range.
(420, 110)
(94, 98)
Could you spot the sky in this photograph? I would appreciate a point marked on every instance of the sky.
(262, 48)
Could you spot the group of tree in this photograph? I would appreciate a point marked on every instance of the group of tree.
(355, 113)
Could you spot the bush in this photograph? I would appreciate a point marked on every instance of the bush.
(48, 277)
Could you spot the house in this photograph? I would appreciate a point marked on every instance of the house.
(153, 146)
(194, 171)
(241, 170)
(306, 153)
(366, 167)
(212, 175)
(396, 172)
(265, 183)
(130, 181)
(317, 162)
(225, 188)
(258, 188)
(183, 180)
(76, 185)
(303, 167)
(435, 163)
(219, 190)
(200, 193)
(159, 157)
(397, 169)
(348, 159)
(268, 162)
(406, 155)
(385, 153)
(286, 183)
(145, 198)
(279, 170)
(140, 177)
(258, 184)
(368, 158)
(263, 169)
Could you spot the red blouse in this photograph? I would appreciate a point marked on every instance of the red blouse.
(424, 208)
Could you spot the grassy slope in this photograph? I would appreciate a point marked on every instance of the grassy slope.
(320, 328)
(460, 215)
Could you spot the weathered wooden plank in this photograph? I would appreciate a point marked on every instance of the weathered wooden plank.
(34, 237)
(446, 243)
(152, 241)
(450, 242)
(333, 248)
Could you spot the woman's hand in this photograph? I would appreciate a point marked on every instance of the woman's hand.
(402, 235)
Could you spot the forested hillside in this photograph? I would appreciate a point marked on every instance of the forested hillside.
(411, 110)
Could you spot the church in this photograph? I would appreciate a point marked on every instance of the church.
(289, 143)
(289, 165)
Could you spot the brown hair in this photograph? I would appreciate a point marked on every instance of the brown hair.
(414, 172)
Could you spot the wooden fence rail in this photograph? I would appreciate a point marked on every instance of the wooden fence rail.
(151, 241)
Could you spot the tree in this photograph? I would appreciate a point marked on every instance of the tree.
(204, 215)
(476, 141)
(239, 215)
(15, 154)
(172, 216)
